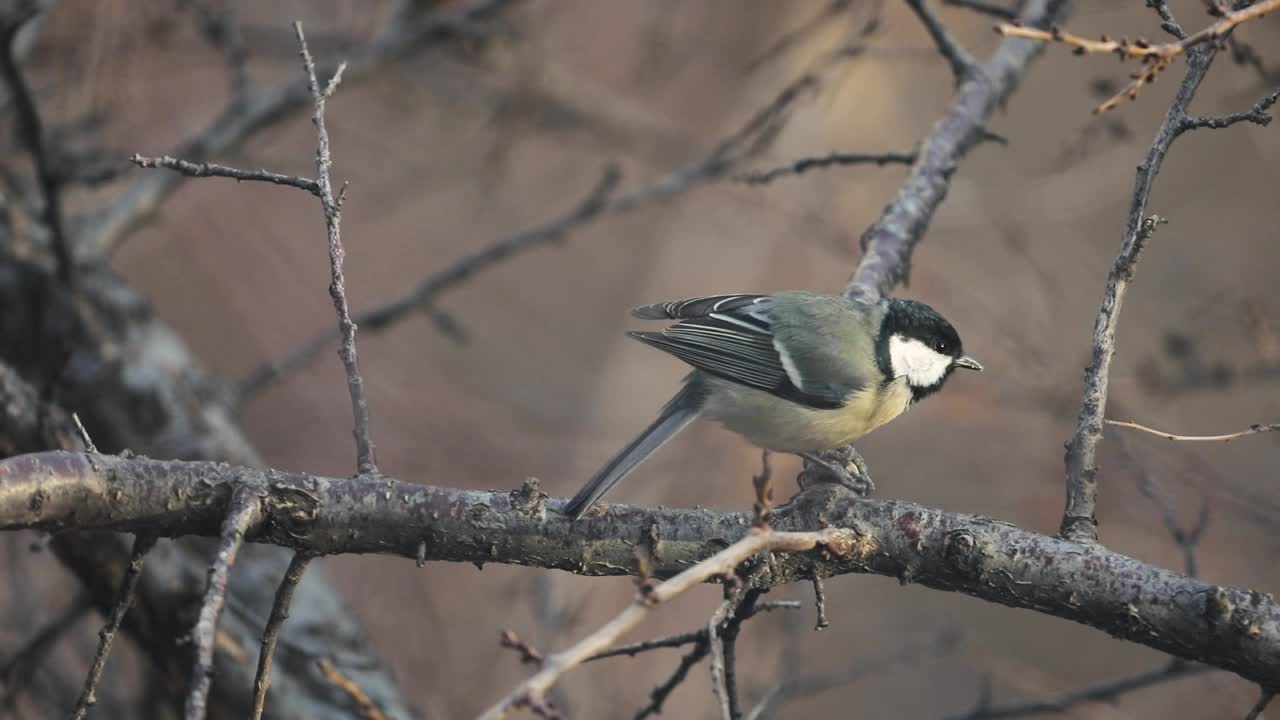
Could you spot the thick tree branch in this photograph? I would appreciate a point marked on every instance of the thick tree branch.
(165, 605)
(1233, 629)
(887, 245)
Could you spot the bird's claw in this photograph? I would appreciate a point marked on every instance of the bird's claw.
(820, 469)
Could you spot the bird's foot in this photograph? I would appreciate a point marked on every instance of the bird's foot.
(833, 466)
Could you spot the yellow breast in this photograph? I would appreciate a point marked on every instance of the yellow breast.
(771, 422)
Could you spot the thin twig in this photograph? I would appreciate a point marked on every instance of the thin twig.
(529, 655)
(962, 63)
(242, 118)
(747, 143)
(659, 694)
(365, 706)
(31, 130)
(205, 169)
(1108, 691)
(791, 39)
(986, 8)
(365, 461)
(793, 685)
(1188, 540)
(1257, 115)
(219, 26)
(820, 602)
(279, 613)
(84, 434)
(1252, 430)
(16, 674)
(242, 512)
(719, 683)
(142, 545)
(799, 167)
(1155, 57)
(1255, 713)
(669, 641)
(421, 297)
(531, 691)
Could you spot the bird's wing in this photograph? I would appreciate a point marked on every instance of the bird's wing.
(731, 337)
(738, 304)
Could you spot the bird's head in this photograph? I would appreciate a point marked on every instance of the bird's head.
(917, 343)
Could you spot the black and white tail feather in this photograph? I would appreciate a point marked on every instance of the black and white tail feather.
(675, 415)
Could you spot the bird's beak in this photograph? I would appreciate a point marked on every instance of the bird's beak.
(965, 361)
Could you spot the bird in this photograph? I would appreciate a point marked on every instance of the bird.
(796, 372)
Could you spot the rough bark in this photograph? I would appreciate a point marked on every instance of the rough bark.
(1237, 630)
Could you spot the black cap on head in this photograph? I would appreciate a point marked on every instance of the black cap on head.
(915, 320)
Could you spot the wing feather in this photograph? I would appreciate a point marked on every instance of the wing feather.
(731, 337)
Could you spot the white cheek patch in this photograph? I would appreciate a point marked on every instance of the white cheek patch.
(922, 365)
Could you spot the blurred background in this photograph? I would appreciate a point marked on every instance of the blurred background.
(450, 149)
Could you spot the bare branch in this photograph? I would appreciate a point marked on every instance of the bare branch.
(820, 603)
(365, 462)
(84, 434)
(243, 511)
(1252, 430)
(386, 315)
(1233, 629)
(279, 613)
(245, 117)
(747, 143)
(794, 685)
(1155, 58)
(1078, 522)
(142, 545)
(962, 63)
(835, 541)
(659, 694)
(986, 8)
(17, 672)
(799, 167)
(887, 245)
(719, 683)
(529, 655)
(1108, 691)
(1257, 115)
(352, 689)
(31, 130)
(670, 641)
(202, 170)
(1263, 701)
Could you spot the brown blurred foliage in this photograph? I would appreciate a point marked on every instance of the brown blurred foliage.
(452, 149)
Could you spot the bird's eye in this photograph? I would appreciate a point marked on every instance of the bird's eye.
(940, 346)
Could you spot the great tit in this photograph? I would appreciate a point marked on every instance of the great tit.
(795, 372)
